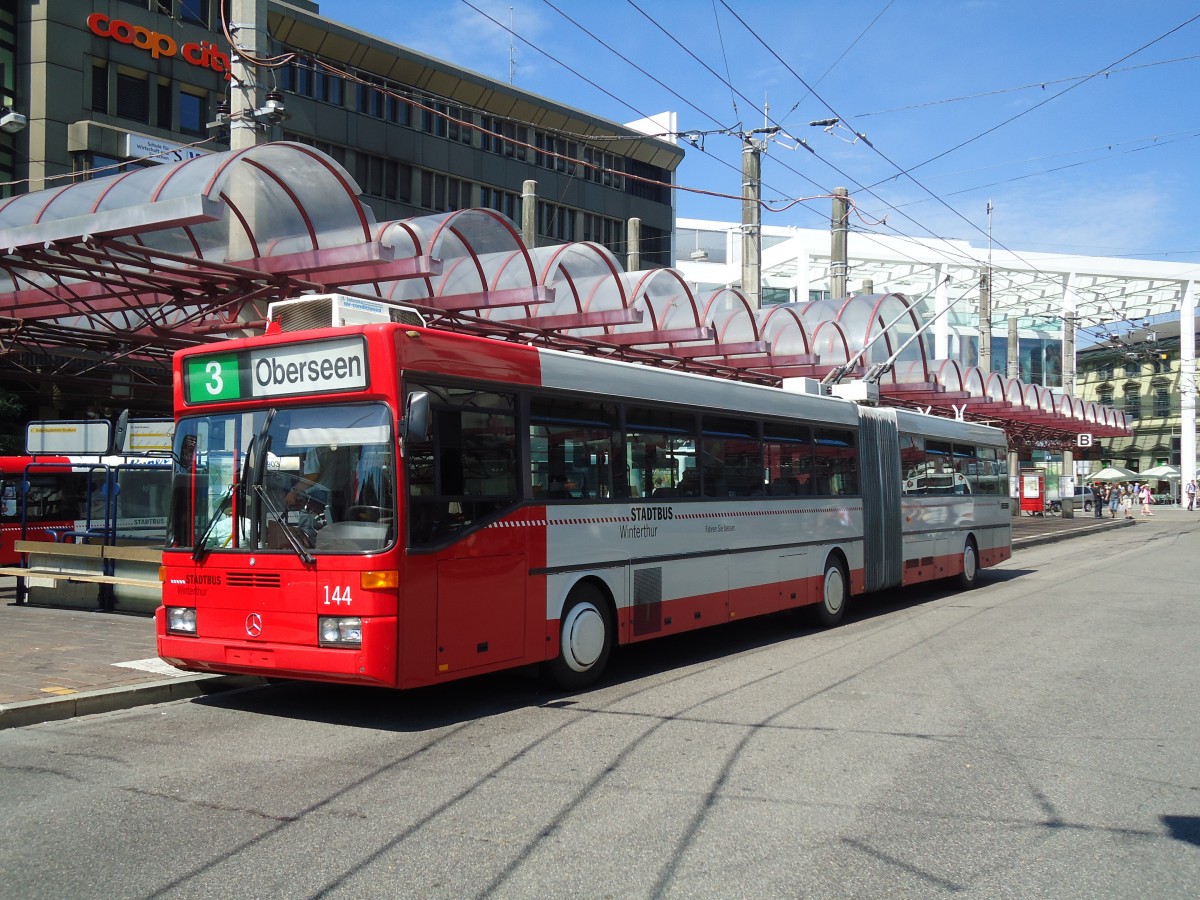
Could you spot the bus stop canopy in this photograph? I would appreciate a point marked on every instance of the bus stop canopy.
(127, 269)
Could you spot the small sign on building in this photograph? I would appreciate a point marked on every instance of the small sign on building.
(1083, 440)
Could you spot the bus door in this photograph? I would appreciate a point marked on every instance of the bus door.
(460, 481)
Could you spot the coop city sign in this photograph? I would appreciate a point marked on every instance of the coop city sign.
(159, 45)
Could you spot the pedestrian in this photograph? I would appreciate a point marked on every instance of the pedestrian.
(1127, 502)
(1190, 490)
(1147, 499)
(1114, 500)
(1097, 500)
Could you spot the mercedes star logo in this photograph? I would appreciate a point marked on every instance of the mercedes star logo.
(254, 624)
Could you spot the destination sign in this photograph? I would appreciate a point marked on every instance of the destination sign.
(280, 370)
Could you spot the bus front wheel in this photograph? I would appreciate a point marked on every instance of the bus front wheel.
(585, 639)
(835, 592)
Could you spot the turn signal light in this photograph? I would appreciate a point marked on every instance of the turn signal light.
(386, 579)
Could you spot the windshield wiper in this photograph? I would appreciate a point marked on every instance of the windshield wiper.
(225, 504)
(281, 521)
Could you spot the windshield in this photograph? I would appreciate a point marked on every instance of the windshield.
(316, 478)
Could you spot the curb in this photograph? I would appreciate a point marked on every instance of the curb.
(87, 703)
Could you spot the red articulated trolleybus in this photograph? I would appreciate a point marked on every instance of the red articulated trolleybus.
(394, 505)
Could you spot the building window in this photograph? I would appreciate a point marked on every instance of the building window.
(1160, 363)
(1162, 402)
(133, 97)
(504, 202)
(386, 178)
(99, 88)
(1133, 403)
(1105, 396)
(458, 125)
(1104, 372)
(101, 166)
(656, 251)
(194, 11)
(162, 96)
(1133, 369)
(335, 151)
(602, 167)
(606, 231)
(651, 184)
(555, 222)
(305, 79)
(192, 117)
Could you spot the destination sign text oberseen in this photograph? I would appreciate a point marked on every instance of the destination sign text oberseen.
(282, 370)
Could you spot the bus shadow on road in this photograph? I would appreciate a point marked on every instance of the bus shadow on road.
(440, 706)
(1184, 828)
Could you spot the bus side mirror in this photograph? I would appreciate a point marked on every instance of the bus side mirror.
(415, 425)
(187, 452)
(119, 432)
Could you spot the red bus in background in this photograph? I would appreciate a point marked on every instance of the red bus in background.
(399, 506)
(57, 498)
(44, 497)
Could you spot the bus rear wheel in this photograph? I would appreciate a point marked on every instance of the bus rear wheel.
(585, 639)
(835, 593)
(969, 577)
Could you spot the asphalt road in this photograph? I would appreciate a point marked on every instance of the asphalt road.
(1034, 737)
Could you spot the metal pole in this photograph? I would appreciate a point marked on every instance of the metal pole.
(1187, 384)
(985, 306)
(751, 221)
(633, 247)
(248, 21)
(985, 322)
(529, 214)
(1014, 351)
(839, 261)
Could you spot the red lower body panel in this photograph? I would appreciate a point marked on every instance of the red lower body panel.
(372, 664)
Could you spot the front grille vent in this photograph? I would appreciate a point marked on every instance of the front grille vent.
(253, 579)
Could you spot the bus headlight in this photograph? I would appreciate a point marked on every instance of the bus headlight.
(339, 631)
(181, 619)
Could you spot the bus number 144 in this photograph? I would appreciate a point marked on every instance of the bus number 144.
(336, 596)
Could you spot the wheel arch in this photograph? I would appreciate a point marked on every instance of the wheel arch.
(838, 552)
(603, 585)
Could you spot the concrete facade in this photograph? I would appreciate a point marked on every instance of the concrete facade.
(106, 84)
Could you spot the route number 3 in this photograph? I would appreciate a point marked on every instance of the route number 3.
(213, 378)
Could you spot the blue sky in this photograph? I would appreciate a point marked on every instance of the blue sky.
(975, 100)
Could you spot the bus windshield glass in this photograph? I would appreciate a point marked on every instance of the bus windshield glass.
(306, 480)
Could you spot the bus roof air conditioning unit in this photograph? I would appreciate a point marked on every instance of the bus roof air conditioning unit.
(860, 391)
(337, 311)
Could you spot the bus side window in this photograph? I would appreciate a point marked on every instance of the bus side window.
(835, 462)
(787, 458)
(467, 470)
(912, 464)
(732, 455)
(660, 447)
(571, 445)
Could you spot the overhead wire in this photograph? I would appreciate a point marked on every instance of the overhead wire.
(1025, 87)
(908, 172)
(277, 60)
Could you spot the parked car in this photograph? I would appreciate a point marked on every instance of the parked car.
(1083, 498)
